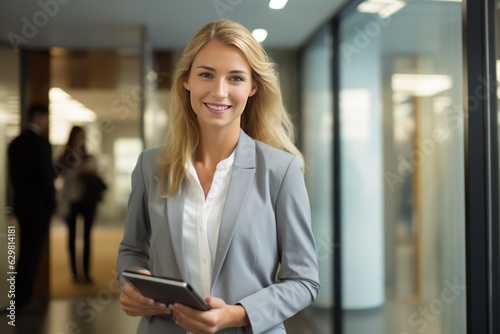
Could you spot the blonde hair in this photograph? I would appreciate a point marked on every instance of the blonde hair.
(264, 119)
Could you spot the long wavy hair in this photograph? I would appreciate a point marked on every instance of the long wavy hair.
(264, 118)
(74, 151)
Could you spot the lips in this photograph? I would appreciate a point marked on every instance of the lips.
(217, 108)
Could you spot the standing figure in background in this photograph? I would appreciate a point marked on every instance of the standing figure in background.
(32, 178)
(82, 191)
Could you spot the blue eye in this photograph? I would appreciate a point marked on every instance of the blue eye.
(236, 79)
(205, 75)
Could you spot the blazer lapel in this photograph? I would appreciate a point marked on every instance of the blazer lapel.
(175, 212)
(241, 178)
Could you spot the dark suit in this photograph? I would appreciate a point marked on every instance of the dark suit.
(32, 178)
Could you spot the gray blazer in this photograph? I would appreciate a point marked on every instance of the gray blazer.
(266, 254)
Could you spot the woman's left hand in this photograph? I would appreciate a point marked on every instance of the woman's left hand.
(220, 316)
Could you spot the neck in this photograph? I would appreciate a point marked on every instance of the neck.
(216, 146)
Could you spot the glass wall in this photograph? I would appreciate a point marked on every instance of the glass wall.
(100, 91)
(402, 168)
(317, 146)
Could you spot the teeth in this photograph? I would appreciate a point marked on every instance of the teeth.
(211, 106)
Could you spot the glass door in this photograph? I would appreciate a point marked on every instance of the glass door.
(317, 134)
(402, 168)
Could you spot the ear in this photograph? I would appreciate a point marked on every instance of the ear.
(254, 89)
(186, 83)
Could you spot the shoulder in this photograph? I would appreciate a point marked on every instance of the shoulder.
(25, 135)
(278, 168)
(275, 157)
(146, 168)
(26, 139)
(277, 164)
(252, 153)
(271, 152)
(148, 159)
(150, 155)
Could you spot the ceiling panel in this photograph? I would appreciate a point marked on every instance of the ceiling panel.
(118, 23)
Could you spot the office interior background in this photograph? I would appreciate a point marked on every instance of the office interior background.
(395, 106)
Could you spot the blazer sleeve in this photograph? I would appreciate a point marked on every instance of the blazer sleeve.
(298, 277)
(133, 253)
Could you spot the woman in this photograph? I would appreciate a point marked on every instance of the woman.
(81, 192)
(223, 204)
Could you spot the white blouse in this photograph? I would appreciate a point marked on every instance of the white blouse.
(201, 224)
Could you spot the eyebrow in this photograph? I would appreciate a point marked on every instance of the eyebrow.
(230, 72)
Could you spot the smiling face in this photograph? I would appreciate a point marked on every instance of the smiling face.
(220, 82)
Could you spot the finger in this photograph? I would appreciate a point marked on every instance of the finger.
(134, 309)
(190, 319)
(135, 295)
(141, 311)
(186, 311)
(144, 271)
(131, 292)
(134, 303)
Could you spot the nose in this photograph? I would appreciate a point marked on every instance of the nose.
(219, 89)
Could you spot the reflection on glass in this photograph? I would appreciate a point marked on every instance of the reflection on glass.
(99, 90)
(355, 104)
(316, 128)
(64, 112)
(125, 151)
(420, 84)
(384, 9)
(402, 169)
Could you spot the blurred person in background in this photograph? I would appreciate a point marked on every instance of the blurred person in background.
(81, 192)
(32, 178)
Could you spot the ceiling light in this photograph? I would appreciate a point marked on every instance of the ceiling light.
(277, 4)
(260, 35)
(391, 9)
(370, 7)
(384, 8)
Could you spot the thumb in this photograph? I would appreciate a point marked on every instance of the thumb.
(144, 271)
(215, 302)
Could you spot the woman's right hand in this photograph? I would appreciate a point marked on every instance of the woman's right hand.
(135, 304)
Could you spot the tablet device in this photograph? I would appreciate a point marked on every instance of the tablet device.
(166, 290)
